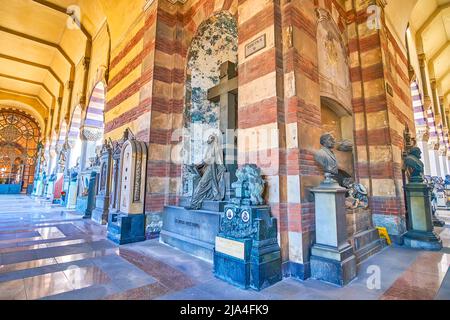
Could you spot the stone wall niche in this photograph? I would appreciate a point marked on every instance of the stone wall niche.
(128, 225)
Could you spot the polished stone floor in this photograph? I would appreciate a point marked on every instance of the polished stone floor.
(47, 252)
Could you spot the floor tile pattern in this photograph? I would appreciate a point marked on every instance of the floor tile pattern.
(48, 252)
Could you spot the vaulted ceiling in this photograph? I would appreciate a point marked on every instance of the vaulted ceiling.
(40, 45)
(429, 21)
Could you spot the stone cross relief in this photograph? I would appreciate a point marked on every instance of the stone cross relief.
(225, 93)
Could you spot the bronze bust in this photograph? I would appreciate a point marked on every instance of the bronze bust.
(414, 165)
(326, 158)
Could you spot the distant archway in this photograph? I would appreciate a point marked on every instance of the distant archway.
(19, 138)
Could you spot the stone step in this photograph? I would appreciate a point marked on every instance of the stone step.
(366, 244)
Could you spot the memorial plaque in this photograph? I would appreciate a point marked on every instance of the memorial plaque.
(230, 247)
(255, 45)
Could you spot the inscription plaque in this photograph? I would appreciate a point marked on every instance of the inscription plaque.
(230, 247)
(255, 45)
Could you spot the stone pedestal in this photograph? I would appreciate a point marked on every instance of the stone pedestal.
(58, 188)
(192, 231)
(102, 200)
(90, 199)
(39, 188)
(246, 252)
(441, 199)
(72, 195)
(332, 257)
(420, 233)
(128, 225)
(50, 190)
(363, 237)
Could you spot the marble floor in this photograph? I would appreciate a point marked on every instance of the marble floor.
(47, 252)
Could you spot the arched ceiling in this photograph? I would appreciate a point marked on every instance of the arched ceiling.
(431, 21)
(39, 46)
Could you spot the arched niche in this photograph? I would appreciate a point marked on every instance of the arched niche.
(215, 43)
(334, 71)
(28, 109)
(335, 86)
(337, 120)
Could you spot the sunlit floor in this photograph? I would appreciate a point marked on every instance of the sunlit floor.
(47, 252)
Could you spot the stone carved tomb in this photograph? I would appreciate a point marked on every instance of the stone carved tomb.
(128, 225)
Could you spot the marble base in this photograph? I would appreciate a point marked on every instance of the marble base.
(265, 266)
(333, 266)
(101, 211)
(10, 188)
(81, 204)
(72, 196)
(420, 233)
(123, 228)
(192, 231)
(423, 240)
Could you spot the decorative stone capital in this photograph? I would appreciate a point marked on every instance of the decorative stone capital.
(433, 144)
(82, 100)
(422, 134)
(86, 62)
(91, 134)
(433, 84)
(427, 102)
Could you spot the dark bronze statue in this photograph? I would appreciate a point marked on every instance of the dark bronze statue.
(327, 159)
(414, 165)
(211, 170)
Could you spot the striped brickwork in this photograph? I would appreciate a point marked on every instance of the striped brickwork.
(382, 108)
(128, 97)
(176, 26)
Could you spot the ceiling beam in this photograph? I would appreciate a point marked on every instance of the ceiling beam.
(27, 95)
(37, 83)
(427, 23)
(60, 50)
(67, 12)
(34, 64)
(88, 48)
(431, 18)
(439, 52)
(50, 111)
(444, 75)
(39, 40)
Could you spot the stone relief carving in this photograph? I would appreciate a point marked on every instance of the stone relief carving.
(250, 185)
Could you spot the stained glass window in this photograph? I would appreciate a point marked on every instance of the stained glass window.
(19, 137)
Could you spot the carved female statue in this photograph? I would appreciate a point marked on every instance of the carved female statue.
(212, 184)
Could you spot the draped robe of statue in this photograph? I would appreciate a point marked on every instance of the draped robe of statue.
(212, 183)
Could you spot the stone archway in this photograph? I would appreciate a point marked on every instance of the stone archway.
(92, 129)
(19, 139)
(335, 86)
